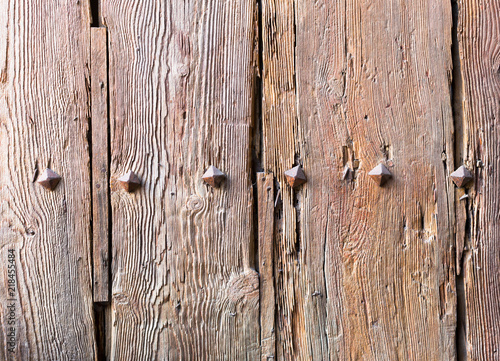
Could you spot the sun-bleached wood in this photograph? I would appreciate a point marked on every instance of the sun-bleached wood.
(44, 61)
(363, 272)
(181, 80)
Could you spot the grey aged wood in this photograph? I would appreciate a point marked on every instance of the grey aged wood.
(100, 166)
(363, 272)
(181, 80)
(44, 61)
(478, 137)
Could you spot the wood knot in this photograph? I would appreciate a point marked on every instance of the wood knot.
(183, 70)
(121, 299)
(194, 203)
(243, 286)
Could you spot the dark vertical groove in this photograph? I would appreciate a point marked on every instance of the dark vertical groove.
(257, 135)
(95, 13)
(110, 209)
(458, 119)
(100, 330)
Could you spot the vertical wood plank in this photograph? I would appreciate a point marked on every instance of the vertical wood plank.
(44, 112)
(181, 96)
(100, 166)
(265, 214)
(279, 153)
(479, 95)
(365, 272)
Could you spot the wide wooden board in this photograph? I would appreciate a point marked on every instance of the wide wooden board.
(478, 45)
(363, 272)
(44, 110)
(181, 80)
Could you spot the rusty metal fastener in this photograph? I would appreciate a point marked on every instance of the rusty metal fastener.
(49, 179)
(213, 177)
(130, 181)
(347, 174)
(295, 176)
(380, 174)
(461, 176)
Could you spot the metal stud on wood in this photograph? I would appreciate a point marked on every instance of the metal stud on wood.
(295, 176)
(380, 174)
(49, 179)
(347, 174)
(461, 176)
(213, 177)
(130, 181)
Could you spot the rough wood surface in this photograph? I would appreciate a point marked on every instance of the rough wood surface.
(347, 270)
(363, 272)
(479, 56)
(100, 166)
(44, 54)
(265, 224)
(181, 83)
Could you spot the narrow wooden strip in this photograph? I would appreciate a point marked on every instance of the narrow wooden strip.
(100, 166)
(265, 204)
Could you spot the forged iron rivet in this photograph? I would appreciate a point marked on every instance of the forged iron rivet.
(295, 176)
(130, 181)
(461, 176)
(213, 177)
(380, 174)
(49, 179)
(347, 174)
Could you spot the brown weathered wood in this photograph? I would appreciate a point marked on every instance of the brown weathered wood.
(181, 95)
(363, 272)
(265, 213)
(477, 146)
(44, 55)
(279, 149)
(100, 166)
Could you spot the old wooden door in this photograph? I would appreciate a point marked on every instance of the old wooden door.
(338, 268)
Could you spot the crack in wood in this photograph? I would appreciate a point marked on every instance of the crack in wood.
(458, 143)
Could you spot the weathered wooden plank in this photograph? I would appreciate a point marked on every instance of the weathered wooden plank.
(265, 214)
(44, 111)
(100, 166)
(279, 146)
(477, 147)
(364, 272)
(181, 94)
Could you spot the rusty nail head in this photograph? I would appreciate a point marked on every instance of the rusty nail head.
(49, 179)
(295, 176)
(380, 174)
(130, 181)
(213, 177)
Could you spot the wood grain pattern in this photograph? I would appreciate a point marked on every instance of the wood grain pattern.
(479, 55)
(44, 109)
(265, 213)
(100, 166)
(181, 92)
(365, 273)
